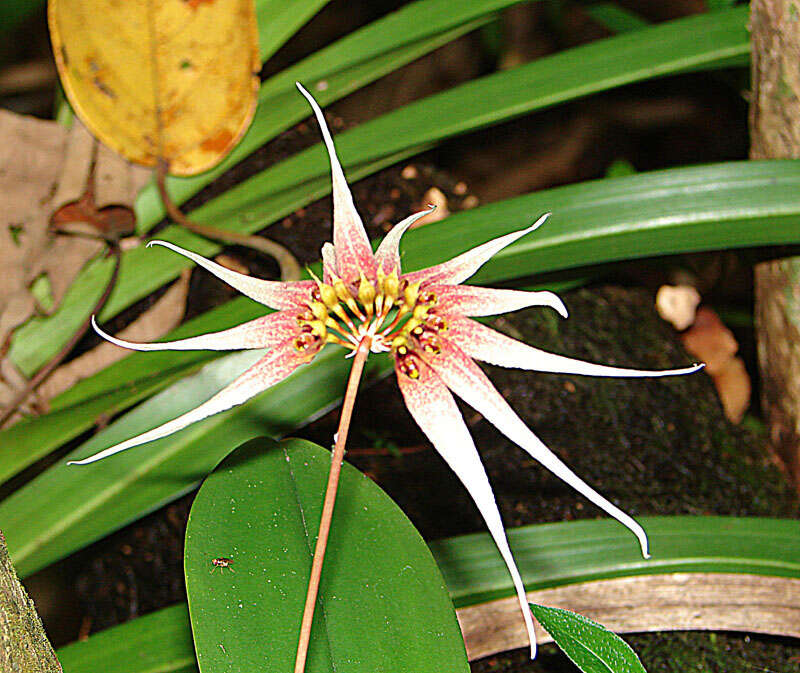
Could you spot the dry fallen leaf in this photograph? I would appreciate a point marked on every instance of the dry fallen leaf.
(173, 80)
(46, 168)
(711, 342)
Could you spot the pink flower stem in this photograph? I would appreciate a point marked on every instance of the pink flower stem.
(330, 498)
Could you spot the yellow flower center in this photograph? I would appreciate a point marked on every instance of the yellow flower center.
(393, 312)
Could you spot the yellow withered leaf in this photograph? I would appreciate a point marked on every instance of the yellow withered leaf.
(160, 79)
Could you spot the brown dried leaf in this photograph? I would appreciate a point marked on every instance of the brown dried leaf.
(713, 343)
(46, 166)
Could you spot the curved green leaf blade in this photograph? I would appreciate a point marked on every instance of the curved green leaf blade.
(160, 642)
(589, 645)
(383, 605)
(114, 389)
(704, 207)
(549, 555)
(672, 47)
(69, 506)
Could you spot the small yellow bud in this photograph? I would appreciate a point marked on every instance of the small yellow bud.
(411, 293)
(319, 310)
(366, 293)
(328, 295)
(391, 285)
(420, 311)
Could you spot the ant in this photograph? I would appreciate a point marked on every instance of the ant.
(222, 562)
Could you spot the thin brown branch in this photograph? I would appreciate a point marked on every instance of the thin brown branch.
(330, 499)
(290, 269)
(43, 374)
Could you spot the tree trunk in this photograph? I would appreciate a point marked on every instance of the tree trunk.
(24, 647)
(775, 134)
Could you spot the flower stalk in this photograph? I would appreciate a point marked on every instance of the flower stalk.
(337, 457)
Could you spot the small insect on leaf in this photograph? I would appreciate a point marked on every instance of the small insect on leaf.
(172, 81)
(222, 562)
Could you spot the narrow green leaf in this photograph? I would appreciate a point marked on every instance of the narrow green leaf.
(589, 645)
(676, 46)
(383, 605)
(69, 506)
(114, 389)
(615, 18)
(161, 642)
(279, 20)
(663, 212)
(549, 555)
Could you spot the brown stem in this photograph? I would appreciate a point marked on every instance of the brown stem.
(290, 269)
(330, 498)
(42, 375)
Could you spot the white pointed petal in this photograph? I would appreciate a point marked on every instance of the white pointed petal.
(263, 332)
(277, 295)
(485, 344)
(353, 251)
(467, 381)
(458, 269)
(436, 413)
(388, 253)
(470, 300)
(328, 262)
(272, 368)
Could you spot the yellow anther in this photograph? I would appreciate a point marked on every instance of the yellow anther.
(319, 310)
(328, 295)
(341, 289)
(318, 328)
(366, 293)
(391, 286)
(399, 344)
(412, 324)
(417, 331)
(420, 311)
(411, 293)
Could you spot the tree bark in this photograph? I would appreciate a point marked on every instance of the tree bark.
(24, 647)
(775, 134)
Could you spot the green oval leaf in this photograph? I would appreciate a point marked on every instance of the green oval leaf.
(590, 646)
(383, 605)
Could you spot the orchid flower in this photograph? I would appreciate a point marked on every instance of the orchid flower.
(424, 320)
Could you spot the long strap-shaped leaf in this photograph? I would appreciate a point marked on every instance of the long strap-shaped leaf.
(648, 214)
(699, 41)
(550, 556)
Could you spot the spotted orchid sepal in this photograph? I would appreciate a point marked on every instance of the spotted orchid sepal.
(424, 320)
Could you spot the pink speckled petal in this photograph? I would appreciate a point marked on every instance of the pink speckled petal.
(388, 253)
(485, 344)
(436, 413)
(353, 251)
(269, 370)
(271, 293)
(264, 332)
(470, 300)
(466, 380)
(458, 269)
